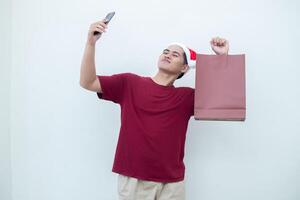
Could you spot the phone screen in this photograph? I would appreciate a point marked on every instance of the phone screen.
(108, 17)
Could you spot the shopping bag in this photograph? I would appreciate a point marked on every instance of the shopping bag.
(220, 87)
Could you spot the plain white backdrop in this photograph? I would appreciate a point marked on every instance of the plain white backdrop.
(58, 140)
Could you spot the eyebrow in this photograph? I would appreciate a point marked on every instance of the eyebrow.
(172, 51)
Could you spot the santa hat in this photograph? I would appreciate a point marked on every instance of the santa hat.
(190, 54)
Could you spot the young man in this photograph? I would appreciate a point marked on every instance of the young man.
(154, 118)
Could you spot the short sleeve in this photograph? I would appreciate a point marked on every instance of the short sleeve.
(113, 87)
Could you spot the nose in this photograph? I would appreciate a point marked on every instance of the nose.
(167, 56)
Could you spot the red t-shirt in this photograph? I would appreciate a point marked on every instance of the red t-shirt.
(154, 121)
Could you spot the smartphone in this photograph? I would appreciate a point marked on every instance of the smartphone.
(106, 20)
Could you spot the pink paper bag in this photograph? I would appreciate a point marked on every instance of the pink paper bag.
(220, 92)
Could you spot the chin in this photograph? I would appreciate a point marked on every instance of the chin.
(165, 69)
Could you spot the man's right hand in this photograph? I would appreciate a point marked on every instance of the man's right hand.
(100, 27)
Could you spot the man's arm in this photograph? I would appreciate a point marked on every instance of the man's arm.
(88, 77)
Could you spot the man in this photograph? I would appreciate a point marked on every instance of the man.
(154, 118)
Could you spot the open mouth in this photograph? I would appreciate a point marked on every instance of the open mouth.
(164, 60)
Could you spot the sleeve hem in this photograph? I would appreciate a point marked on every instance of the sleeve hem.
(100, 94)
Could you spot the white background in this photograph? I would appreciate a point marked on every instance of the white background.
(58, 140)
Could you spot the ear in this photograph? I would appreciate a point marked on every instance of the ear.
(184, 68)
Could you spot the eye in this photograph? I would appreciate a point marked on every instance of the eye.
(175, 55)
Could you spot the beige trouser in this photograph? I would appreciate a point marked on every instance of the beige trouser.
(130, 188)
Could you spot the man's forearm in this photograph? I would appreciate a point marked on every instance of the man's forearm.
(88, 69)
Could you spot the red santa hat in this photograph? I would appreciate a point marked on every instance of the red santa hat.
(190, 54)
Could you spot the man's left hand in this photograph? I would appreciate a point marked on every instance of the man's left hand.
(219, 45)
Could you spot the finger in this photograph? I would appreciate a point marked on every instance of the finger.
(215, 41)
(104, 20)
(99, 30)
(101, 21)
(96, 27)
(101, 27)
(223, 41)
(226, 42)
(102, 24)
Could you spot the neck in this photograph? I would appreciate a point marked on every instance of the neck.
(164, 79)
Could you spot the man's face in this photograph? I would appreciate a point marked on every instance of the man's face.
(172, 61)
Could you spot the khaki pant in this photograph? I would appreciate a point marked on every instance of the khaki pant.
(130, 188)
